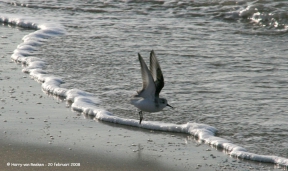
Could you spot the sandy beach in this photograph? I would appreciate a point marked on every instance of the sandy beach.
(40, 132)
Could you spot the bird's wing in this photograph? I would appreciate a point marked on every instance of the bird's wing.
(156, 73)
(148, 89)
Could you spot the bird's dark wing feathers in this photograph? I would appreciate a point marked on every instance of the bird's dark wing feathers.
(156, 72)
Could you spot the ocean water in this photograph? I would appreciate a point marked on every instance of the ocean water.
(224, 65)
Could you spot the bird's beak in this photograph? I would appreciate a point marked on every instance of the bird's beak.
(170, 106)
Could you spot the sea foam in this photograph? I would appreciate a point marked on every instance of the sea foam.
(88, 104)
(263, 16)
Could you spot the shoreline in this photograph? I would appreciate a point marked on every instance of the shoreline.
(37, 128)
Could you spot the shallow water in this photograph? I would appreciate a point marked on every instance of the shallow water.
(224, 63)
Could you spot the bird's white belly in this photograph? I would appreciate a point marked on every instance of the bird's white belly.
(147, 105)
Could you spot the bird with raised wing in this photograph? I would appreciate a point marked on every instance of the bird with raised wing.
(148, 99)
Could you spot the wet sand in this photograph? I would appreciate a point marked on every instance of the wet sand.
(43, 133)
(37, 129)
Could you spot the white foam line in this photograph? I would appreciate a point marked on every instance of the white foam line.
(88, 104)
(204, 133)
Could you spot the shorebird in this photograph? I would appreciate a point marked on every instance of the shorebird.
(148, 99)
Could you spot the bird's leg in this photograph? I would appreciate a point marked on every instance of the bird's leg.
(141, 116)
